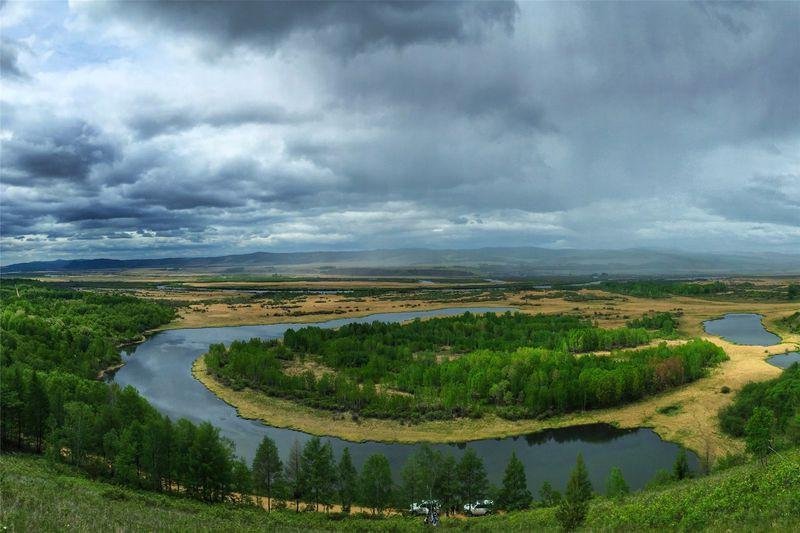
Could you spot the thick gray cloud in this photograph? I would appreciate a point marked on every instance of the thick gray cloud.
(46, 148)
(157, 120)
(342, 27)
(368, 125)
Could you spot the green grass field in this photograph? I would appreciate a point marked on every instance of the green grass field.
(40, 496)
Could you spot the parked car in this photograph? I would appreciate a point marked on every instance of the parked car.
(423, 507)
(479, 508)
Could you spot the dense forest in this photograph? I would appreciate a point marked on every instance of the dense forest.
(73, 331)
(662, 289)
(53, 343)
(518, 365)
(779, 396)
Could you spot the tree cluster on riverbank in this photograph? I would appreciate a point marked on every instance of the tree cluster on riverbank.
(518, 365)
(73, 331)
(779, 401)
(53, 342)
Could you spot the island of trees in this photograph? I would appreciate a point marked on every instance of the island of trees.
(517, 365)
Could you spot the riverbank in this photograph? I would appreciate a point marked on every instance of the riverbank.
(687, 415)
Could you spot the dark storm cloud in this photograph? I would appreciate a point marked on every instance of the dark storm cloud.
(47, 148)
(343, 27)
(9, 56)
(404, 124)
(158, 120)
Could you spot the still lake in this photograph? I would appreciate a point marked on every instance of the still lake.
(160, 369)
(742, 328)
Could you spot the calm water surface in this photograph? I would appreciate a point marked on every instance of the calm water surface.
(784, 360)
(742, 328)
(160, 369)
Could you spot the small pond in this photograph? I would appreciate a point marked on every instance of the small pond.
(784, 360)
(742, 328)
(160, 368)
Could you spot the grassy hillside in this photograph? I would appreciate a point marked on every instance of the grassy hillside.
(38, 496)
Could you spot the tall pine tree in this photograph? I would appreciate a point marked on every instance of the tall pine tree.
(616, 486)
(267, 469)
(572, 510)
(376, 483)
(347, 481)
(293, 473)
(514, 494)
(472, 477)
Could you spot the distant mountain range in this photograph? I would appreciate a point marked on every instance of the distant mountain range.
(496, 262)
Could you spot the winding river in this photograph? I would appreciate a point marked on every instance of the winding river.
(160, 368)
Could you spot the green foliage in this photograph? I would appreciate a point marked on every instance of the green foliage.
(53, 342)
(758, 432)
(662, 289)
(347, 481)
(376, 483)
(45, 329)
(514, 494)
(793, 292)
(661, 478)
(680, 469)
(572, 510)
(791, 322)
(472, 477)
(780, 395)
(41, 496)
(548, 496)
(665, 322)
(538, 380)
(616, 486)
(318, 472)
(267, 470)
(293, 474)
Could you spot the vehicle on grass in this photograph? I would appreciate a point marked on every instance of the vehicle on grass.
(479, 508)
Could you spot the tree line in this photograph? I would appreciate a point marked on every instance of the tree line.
(662, 289)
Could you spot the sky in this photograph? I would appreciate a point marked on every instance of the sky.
(156, 129)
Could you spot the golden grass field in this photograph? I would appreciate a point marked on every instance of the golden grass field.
(692, 421)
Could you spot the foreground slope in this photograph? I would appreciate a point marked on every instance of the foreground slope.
(39, 496)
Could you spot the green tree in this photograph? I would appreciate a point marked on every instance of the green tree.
(514, 494)
(267, 469)
(793, 292)
(549, 496)
(447, 485)
(12, 405)
(616, 486)
(241, 480)
(156, 444)
(472, 477)
(572, 510)
(37, 409)
(127, 462)
(758, 433)
(293, 474)
(680, 469)
(317, 471)
(376, 483)
(78, 430)
(210, 463)
(347, 481)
